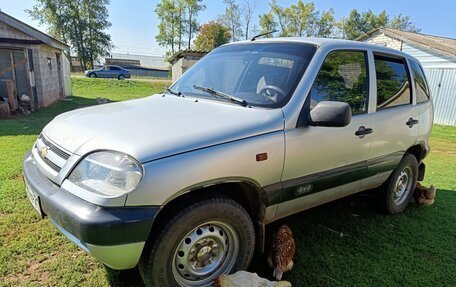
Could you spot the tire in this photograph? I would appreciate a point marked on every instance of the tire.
(121, 77)
(214, 236)
(93, 75)
(400, 186)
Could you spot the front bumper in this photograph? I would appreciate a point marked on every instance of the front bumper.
(114, 235)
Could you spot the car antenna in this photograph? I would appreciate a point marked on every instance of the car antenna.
(263, 34)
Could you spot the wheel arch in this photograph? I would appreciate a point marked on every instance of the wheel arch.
(418, 150)
(246, 192)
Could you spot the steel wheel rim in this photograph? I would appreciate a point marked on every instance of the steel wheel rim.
(204, 253)
(403, 186)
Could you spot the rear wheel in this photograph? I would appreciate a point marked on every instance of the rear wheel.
(401, 185)
(121, 77)
(206, 239)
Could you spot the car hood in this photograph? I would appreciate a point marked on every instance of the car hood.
(159, 126)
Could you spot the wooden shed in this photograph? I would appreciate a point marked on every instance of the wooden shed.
(437, 55)
(34, 67)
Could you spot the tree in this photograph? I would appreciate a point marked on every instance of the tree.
(247, 12)
(166, 12)
(281, 15)
(267, 23)
(403, 23)
(212, 35)
(326, 24)
(359, 24)
(178, 19)
(80, 23)
(193, 7)
(232, 19)
(298, 20)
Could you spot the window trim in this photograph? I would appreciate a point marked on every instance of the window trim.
(427, 90)
(367, 67)
(407, 70)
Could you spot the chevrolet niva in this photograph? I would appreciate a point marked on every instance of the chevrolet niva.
(183, 183)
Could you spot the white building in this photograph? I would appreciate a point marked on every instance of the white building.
(438, 57)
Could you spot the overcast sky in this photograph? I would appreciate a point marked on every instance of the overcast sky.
(134, 24)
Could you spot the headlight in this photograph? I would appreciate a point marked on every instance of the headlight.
(107, 173)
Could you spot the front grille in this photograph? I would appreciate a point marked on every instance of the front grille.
(55, 149)
(55, 157)
(52, 165)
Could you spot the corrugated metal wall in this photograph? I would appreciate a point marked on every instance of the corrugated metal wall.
(442, 83)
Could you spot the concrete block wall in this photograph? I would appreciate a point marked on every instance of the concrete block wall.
(47, 78)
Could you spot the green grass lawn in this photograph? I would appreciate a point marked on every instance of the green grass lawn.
(416, 248)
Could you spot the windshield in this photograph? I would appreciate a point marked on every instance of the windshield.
(262, 74)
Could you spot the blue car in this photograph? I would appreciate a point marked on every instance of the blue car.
(108, 72)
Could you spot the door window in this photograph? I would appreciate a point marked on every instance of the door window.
(343, 78)
(393, 84)
(421, 87)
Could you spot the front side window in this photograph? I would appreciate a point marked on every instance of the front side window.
(421, 87)
(262, 74)
(393, 87)
(343, 78)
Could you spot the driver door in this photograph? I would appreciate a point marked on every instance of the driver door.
(326, 163)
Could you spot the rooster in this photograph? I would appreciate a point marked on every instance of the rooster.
(424, 195)
(282, 251)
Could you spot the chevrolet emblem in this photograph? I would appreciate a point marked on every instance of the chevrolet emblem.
(44, 152)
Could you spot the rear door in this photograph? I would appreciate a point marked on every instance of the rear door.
(396, 120)
(114, 72)
(321, 160)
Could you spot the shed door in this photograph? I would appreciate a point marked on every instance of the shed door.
(20, 69)
(14, 68)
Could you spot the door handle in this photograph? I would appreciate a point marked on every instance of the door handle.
(362, 131)
(411, 122)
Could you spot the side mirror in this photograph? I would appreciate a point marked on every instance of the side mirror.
(330, 114)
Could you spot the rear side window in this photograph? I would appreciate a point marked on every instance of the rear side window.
(393, 84)
(343, 78)
(421, 87)
(114, 68)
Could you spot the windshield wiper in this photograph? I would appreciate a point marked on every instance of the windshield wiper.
(171, 91)
(217, 94)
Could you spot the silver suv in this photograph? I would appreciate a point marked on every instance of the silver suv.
(183, 183)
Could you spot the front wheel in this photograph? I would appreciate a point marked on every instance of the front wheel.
(205, 240)
(93, 75)
(401, 185)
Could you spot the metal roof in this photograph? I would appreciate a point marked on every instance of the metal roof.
(33, 32)
(443, 45)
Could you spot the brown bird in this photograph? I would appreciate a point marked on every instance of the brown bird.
(424, 195)
(282, 251)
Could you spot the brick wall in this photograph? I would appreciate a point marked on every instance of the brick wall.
(381, 39)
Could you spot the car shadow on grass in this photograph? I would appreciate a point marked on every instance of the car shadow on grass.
(349, 242)
(124, 278)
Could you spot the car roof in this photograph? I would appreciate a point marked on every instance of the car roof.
(328, 42)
